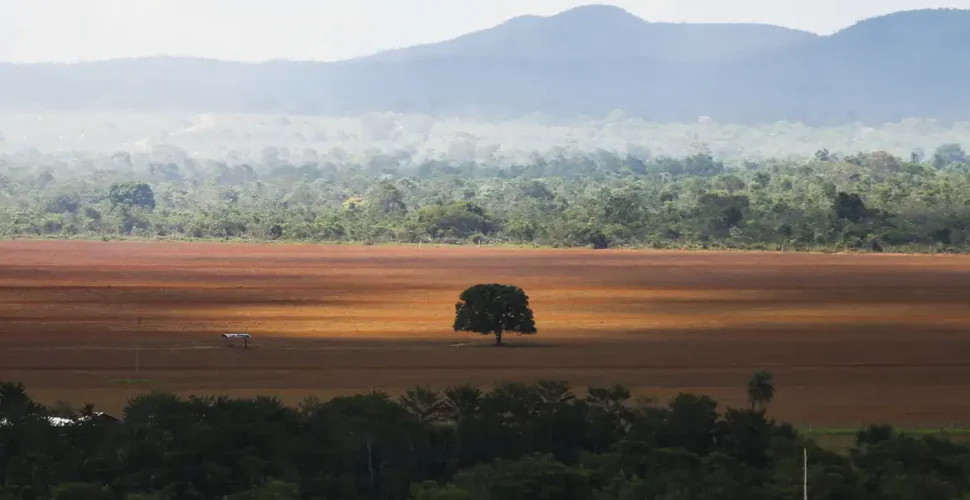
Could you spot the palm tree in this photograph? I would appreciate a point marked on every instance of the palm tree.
(761, 389)
(424, 403)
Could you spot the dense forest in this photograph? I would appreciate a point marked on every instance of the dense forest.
(515, 442)
(872, 201)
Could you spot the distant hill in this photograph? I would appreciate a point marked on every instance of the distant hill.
(588, 60)
(600, 31)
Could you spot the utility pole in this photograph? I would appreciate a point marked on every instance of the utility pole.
(138, 345)
(805, 473)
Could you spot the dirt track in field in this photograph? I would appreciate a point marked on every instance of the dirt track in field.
(851, 339)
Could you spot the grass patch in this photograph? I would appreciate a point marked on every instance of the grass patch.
(841, 440)
(926, 431)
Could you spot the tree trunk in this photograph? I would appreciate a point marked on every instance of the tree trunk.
(498, 338)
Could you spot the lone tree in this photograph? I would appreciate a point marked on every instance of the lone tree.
(494, 308)
(761, 389)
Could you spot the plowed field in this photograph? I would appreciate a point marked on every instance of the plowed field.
(851, 339)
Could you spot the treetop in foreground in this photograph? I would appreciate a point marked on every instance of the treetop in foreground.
(494, 309)
(516, 441)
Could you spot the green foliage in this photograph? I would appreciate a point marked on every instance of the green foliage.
(430, 490)
(950, 155)
(761, 389)
(387, 198)
(16, 404)
(132, 194)
(275, 490)
(865, 201)
(874, 434)
(515, 441)
(494, 309)
(81, 491)
(458, 220)
(849, 207)
(527, 478)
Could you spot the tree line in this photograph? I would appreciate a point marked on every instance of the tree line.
(516, 441)
(867, 201)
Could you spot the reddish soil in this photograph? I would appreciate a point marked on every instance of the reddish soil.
(851, 339)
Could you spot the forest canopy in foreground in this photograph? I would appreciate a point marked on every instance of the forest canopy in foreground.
(871, 201)
(515, 442)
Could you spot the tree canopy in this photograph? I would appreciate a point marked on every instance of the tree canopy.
(494, 309)
(132, 194)
(856, 202)
(514, 441)
(761, 389)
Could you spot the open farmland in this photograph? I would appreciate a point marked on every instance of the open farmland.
(850, 338)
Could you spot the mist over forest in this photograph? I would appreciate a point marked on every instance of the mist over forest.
(592, 127)
(403, 139)
(390, 178)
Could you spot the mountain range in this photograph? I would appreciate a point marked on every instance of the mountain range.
(585, 61)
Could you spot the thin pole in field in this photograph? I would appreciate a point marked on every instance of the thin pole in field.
(805, 473)
(138, 346)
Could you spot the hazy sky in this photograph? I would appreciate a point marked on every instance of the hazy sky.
(69, 30)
